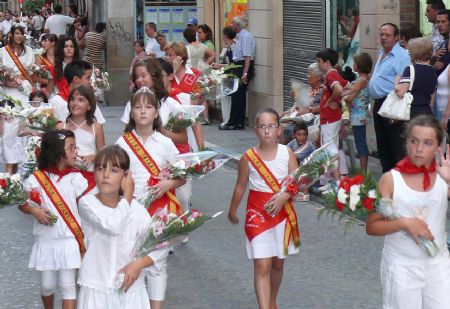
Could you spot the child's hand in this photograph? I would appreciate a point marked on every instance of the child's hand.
(331, 104)
(417, 228)
(162, 186)
(232, 217)
(127, 186)
(87, 160)
(131, 272)
(443, 168)
(275, 204)
(42, 215)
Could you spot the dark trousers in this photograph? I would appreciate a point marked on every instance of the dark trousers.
(239, 98)
(390, 141)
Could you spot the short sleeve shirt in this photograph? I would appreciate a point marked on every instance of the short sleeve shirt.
(327, 114)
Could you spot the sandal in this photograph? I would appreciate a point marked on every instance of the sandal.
(302, 197)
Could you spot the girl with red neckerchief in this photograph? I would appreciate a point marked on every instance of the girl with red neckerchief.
(419, 188)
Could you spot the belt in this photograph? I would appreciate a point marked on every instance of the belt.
(380, 100)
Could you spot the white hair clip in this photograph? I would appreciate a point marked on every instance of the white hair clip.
(61, 136)
(145, 90)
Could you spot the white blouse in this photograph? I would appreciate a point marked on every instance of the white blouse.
(111, 235)
(160, 149)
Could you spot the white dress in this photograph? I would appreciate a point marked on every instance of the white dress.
(61, 110)
(271, 242)
(55, 246)
(12, 146)
(111, 235)
(85, 141)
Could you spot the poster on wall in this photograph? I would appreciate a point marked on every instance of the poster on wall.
(177, 16)
(164, 16)
(233, 8)
(151, 15)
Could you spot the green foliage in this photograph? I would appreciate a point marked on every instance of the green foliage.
(31, 5)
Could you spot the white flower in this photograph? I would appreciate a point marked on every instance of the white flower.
(342, 196)
(15, 178)
(44, 120)
(354, 196)
(372, 194)
(180, 164)
(3, 175)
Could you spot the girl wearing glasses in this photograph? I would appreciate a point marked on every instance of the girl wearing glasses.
(271, 223)
(55, 188)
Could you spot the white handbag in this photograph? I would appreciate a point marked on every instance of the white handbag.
(398, 108)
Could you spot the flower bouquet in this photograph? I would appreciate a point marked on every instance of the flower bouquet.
(42, 119)
(34, 200)
(183, 119)
(147, 196)
(358, 196)
(166, 229)
(100, 82)
(218, 83)
(11, 190)
(79, 164)
(33, 150)
(194, 164)
(40, 71)
(9, 77)
(309, 171)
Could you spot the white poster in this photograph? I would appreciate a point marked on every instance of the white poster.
(152, 15)
(178, 35)
(192, 13)
(164, 16)
(178, 16)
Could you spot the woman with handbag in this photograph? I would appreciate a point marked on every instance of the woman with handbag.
(423, 84)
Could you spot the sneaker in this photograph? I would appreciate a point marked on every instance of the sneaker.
(302, 197)
(185, 241)
(325, 187)
(171, 250)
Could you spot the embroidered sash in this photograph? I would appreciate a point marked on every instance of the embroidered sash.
(169, 199)
(288, 210)
(18, 64)
(188, 81)
(62, 208)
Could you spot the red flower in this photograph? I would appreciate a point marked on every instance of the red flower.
(345, 184)
(339, 206)
(35, 196)
(304, 180)
(292, 188)
(37, 151)
(151, 181)
(198, 168)
(3, 183)
(368, 203)
(357, 180)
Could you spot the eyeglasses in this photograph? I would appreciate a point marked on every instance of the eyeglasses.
(72, 148)
(269, 127)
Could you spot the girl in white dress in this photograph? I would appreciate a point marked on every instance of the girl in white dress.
(18, 57)
(148, 73)
(419, 188)
(57, 249)
(271, 223)
(148, 150)
(81, 121)
(113, 222)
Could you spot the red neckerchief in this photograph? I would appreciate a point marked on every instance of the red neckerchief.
(59, 173)
(407, 167)
(174, 92)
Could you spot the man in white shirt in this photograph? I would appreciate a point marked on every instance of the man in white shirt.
(152, 48)
(37, 23)
(57, 23)
(6, 24)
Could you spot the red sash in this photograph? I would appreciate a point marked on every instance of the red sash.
(188, 81)
(61, 206)
(18, 64)
(63, 87)
(255, 210)
(174, 92)
(169, 199)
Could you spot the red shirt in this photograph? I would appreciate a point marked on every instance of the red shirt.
(188, 81)
(327, 114)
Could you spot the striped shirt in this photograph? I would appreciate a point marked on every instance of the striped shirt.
(95, 44)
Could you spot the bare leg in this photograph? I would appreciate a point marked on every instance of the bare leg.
(11, 168)
(68, 304)
(363, 161)
(156, 304)
(276, 275)
(262, 268)
(47, 301)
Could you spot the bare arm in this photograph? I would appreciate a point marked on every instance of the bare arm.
(198, 133)
(350, 93)
(210, 56)
(177, 138)
(99, 136)
(239, 189)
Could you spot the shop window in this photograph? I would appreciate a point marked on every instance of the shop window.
(345, 30)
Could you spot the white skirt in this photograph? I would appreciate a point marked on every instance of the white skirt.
(55, 254)
(270, 243)
(136, 297)
(11, 145)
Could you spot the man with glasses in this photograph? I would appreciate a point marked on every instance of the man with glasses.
(391, 62)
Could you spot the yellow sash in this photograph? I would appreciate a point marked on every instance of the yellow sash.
(272, 182)
(62, 207)
(138, 149)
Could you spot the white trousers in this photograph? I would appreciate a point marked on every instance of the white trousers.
(330, 132)
(64, 278)
(157, 281)
(422, 286)
(225, 105)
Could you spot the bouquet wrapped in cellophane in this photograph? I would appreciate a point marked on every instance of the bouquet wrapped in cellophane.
(358, 196)
(11, 190)
(165, 230)
(185, 166)
(9, 77)
(218, 83)
(34, 200)
(42, 119)
(40, 71)
(100, 83)
(184, 118)
(33, 150)
(310, 169)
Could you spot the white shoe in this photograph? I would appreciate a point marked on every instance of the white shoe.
(185, 241)
(325, 187)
